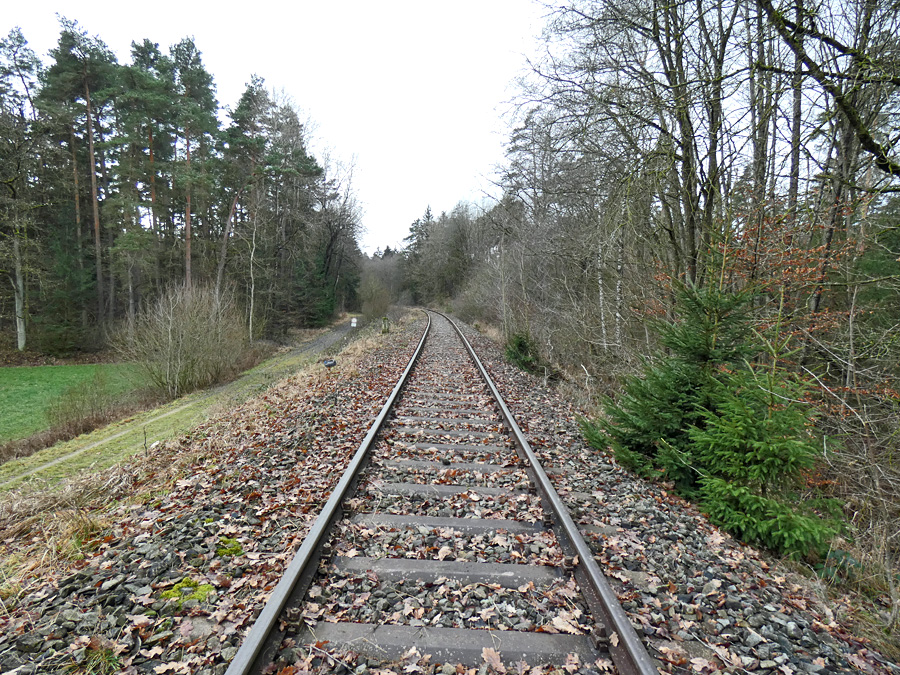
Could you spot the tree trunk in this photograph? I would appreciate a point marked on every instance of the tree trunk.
(601, 298)
(96, 205)
(223, 248)
(79, 252)
(620, 294)
(110, 233)
(131, 298)
(153, 224)
(834, 218)
(796, 116)
(187, 217)
(111, 287)
(19, 292)
(252, 280)
(759, 128)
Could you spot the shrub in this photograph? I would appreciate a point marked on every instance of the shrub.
(376, 299)
(186, 340)
(84, 405)
(764, 520)
(754, 447)
(522, 351)
(648, 427)
(725, 432)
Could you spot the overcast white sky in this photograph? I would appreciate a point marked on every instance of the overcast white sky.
(413, 89)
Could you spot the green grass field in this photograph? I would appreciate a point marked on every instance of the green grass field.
(114, 443)
(25, 392)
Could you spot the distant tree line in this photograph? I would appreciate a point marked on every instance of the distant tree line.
(672, 163)
(119, 180)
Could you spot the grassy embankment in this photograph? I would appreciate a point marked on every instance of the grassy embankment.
(26, 392)
(114, 443)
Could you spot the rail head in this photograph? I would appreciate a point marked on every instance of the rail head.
(629, 654)
(245, 662)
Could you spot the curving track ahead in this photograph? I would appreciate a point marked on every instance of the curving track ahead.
(445, 535)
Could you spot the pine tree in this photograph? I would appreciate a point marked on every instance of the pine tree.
(753, 443)
(195, 113)
(79, 82)
(649, 426)
(726, 433)
(148, 107)
(18, 159)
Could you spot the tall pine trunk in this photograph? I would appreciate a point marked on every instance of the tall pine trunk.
(153, 224)
(110, 234)
(187, 216)
(79, 253)
(19, 292)
(96, 206)
(154, 219)
(223, 247)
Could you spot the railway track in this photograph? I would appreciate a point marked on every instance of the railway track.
(444, 538)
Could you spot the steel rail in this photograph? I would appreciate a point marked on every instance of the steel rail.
(247, 660)
(628, 652)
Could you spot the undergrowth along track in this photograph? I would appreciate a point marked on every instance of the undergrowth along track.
(445, 537)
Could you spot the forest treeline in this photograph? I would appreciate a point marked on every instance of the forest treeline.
(703, 197)
(120, 180)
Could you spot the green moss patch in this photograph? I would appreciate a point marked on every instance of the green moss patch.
(229, 547)
(187, 589)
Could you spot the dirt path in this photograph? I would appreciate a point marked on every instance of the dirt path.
(276, 368)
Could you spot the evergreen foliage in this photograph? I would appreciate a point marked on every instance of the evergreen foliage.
(441, 253)
(649, 427)
(522, 351)
(726, 433)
